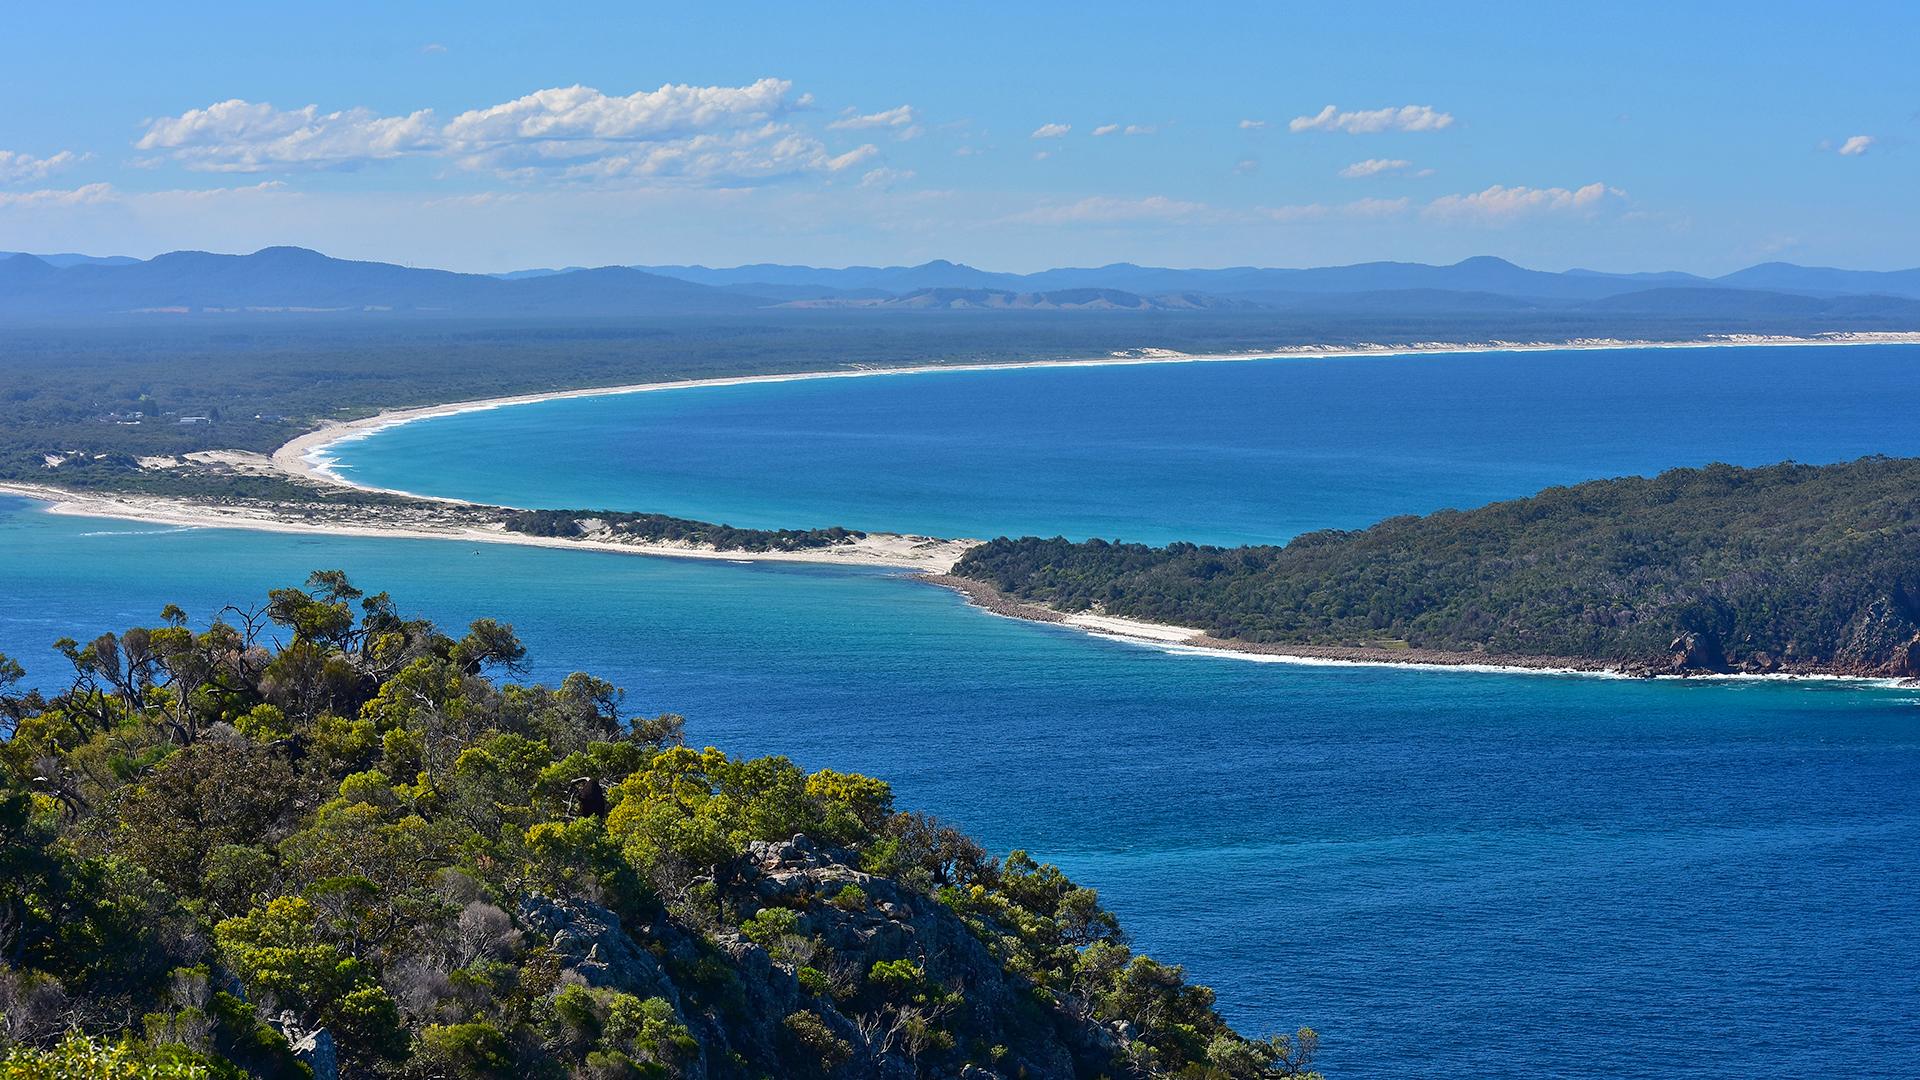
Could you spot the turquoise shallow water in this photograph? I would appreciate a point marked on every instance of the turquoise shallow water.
(1517, 876)
(1221, 453)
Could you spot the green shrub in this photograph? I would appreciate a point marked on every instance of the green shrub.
(475, 1049)
(817, 1041)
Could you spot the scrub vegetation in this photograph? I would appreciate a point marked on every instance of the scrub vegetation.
(321, 838)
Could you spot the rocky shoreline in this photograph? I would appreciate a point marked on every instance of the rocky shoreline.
(1683, 663)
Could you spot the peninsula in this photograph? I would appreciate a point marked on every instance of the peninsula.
(1789, 569)
(1408, 591)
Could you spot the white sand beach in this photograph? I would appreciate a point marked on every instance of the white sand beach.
(305, 458)
(923, 553)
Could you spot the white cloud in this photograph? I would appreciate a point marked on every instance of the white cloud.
(699, 133)
(1129, 129)
(1499, 203)
(1106, 129)
(574, 121)
(1855, 145)
(1376, 207)
(901, 118)
(1051, 131)
(1359, 208)
(1252, 125)
(1374, 167)
(242, 136)
(107, 194)
(433, 48)
(16, 167)
(1368, 121)
(1246, 166)
(264, 187)
(884, 177)
(1105, 209)
(88, 195)
(762, 153)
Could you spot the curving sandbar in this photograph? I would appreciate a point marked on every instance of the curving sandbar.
(305, 456)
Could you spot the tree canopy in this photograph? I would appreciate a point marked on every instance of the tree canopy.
(1791, 567)
(319, 836)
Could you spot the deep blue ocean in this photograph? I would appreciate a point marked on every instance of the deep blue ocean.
(1503, 875)
(1225, 453)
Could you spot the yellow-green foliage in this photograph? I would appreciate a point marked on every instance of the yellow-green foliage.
(349, 828)
(78, 1057)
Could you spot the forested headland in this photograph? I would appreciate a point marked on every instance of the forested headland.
(1785, 568)
(320, 838)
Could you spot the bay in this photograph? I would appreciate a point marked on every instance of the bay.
(1228, 453)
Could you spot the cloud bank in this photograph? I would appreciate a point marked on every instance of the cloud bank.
(19, 168)
(694, 133)
(1497, 204)
(1374, 167)
(1368, 121)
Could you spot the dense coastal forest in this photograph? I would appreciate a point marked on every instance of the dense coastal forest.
(316, 838)
(1790, 567)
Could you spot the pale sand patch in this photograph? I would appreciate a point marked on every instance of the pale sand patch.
(1133, 628)
(241, 461)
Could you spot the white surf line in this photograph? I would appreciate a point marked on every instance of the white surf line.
(1183, 648)
(1179, 641)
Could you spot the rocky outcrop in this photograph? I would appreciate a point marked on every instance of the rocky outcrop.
(1697, 652)
(738, 1008)
(313, 1046)
(594, 947)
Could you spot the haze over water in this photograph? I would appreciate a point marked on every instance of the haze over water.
(1227, 453)
(1520, 875)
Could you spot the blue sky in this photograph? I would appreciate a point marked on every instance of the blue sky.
(1696, 136)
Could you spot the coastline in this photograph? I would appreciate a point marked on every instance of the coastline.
(931, 559)
(305, 456)
(1183, 639)
(462, 522)
(1186, 639)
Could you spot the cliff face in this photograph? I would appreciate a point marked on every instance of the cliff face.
(1880, 640)
(806, 1001)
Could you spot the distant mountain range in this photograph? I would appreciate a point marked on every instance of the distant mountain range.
(297, 280)
(287, 279)
(1481, 274)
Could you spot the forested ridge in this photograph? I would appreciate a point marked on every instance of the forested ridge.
(319, 838)
(1788, 567)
